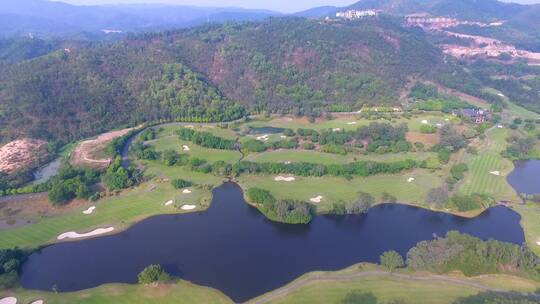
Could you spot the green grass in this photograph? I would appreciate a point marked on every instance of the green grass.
(336, 189)
(488, 159)
(530, 221)
(169, 130)
(181, 292)
(328, 158)
(344, 123)
(390, 288)
(211, 155)
(121, 211)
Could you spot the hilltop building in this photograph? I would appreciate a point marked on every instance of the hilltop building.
(354, 14)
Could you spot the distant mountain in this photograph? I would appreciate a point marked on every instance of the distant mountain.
(282, 65)
(57, 18)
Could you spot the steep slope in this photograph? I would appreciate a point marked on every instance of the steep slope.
(281, 65)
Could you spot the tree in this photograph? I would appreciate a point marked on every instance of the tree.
(153, 274)
(391, 260)
(361, 205)
(437, 196)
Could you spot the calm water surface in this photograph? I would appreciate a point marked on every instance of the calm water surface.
(233, 248)
(526, 177)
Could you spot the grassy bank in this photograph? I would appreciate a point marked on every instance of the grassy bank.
(180, 292)
(403, 286)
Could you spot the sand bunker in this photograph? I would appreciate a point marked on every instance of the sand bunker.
(188, 207)
(287, 162)
(447, 119)
(411, 179)
(283, 136)
(439, 125)
(425, 122)
(38, 302)
(496, 173)
(352, 123)
(316, 199)
(186, 148)
(500, 126)
(284, 179)
(186, 191)
(89, 210)
(263, 137)
(336, 129)
(169, 203)
(75, 235)
(8, 300)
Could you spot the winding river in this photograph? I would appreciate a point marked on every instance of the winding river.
(233, 248)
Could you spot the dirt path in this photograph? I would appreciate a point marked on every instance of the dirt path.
(348, 277)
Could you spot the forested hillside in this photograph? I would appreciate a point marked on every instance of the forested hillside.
(281, 65)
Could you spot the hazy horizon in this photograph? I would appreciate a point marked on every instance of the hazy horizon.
(285, 6)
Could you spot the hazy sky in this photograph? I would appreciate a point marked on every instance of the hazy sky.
(276, 5)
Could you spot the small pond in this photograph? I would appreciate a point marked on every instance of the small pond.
(266, 130)
(235, 249)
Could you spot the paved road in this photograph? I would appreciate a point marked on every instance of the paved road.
(274, 295)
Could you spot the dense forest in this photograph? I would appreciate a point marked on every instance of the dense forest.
(211, 73)
(223, 72)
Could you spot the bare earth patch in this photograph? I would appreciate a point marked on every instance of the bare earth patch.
(85, 154)
(22, 154)
(429, 140)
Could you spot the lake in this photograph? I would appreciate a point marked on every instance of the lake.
(526, 177)
(233, 248)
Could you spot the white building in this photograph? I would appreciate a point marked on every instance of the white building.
(354, 14)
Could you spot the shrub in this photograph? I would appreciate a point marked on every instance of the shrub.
(361, 205)
(391, 260)
(335, 149)
(180, 183)
(428, 129)
(308, 146)
(254, 145)
(260, 196)
(458, 171)
(472, 202)
(153, 274)
(437, 196)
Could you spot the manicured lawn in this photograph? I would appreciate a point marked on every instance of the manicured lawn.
(280, 156)
(530, 221)
(181, 292)
(489, 159)
(120, 211)
(211, 155)
(346, 123)
(221, 132)
(338, 189)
